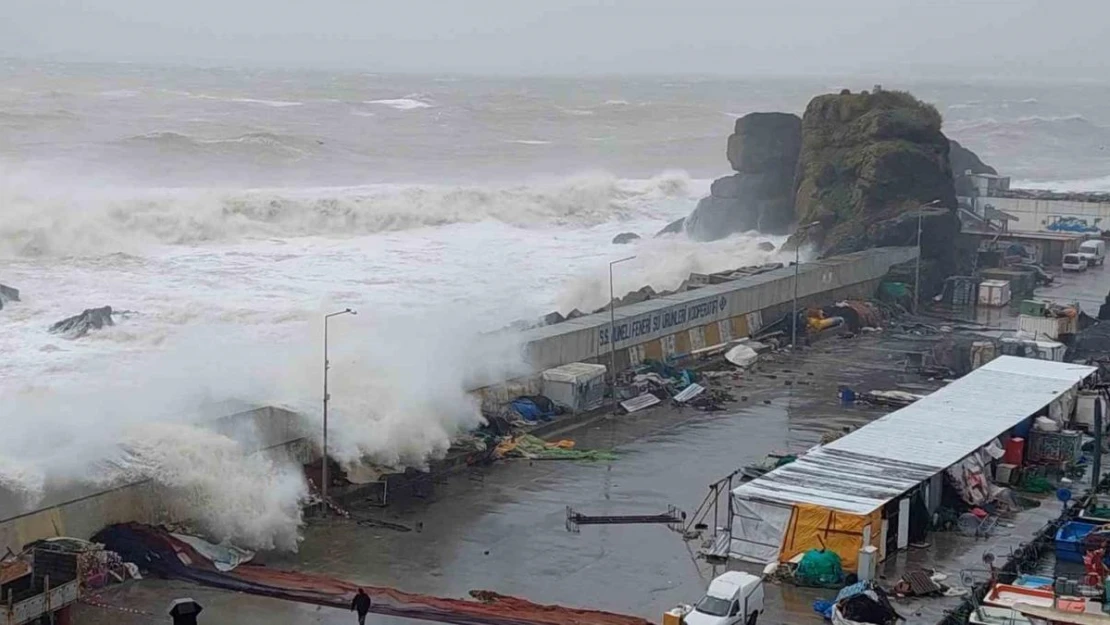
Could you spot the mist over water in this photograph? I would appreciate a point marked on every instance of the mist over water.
(230, 211)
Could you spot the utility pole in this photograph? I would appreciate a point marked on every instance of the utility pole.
(917, 265)
(803, 231)
(612, 339)
(324, 462)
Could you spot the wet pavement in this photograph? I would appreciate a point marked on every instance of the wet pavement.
(503, 528)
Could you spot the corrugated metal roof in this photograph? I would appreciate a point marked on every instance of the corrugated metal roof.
(867, 468)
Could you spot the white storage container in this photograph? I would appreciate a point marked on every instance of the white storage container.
(994, 292)
(1030, 348)
(1040, 327)
(577, 386)
(1085, 411)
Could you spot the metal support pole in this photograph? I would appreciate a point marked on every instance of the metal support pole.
(802, 232)
(612, 337)
(324, 461)
(794, 304)
(917, 266)
(324, 478)
(1096, 457)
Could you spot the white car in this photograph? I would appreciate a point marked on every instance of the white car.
(1074, 262)
(733, 598)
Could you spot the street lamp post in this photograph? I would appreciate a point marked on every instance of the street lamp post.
(803, 230)
(917, 265)
(327, 365)
(612, 341)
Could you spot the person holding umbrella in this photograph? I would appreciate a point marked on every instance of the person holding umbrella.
(361, 604)
(184, 611)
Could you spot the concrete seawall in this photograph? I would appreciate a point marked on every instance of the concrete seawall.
(81, 511)
(684, 322)
(658, 328)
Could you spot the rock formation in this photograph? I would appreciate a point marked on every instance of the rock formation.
(868, 162)
(625, 237)
(79, 325)
(964, 160)
(8, 294)
(675, 227)
(763, 151)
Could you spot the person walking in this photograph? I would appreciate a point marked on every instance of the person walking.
(361, 604)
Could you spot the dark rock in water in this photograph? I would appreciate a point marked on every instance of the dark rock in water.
(764, 151)
(964, 160)
(766, 246)
(868, 163)
(8, 294)
(552, 318)
(79, 325)
(625, 237)
(675, 227)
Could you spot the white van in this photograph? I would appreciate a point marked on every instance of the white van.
(1094, 251)
(1074, 262)
(733, 598)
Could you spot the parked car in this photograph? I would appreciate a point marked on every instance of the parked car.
(1044, 277)
(1074, 262)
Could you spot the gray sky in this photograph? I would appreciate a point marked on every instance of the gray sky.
(1015, 38)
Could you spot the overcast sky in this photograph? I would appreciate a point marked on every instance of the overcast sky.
(1014, 38)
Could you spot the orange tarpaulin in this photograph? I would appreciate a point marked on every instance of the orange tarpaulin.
(817, 527)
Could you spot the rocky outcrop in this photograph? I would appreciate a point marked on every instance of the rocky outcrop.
(675, 227)
(868, 162)
(964, 160)
(79, 325)
(763, 151)
(625, 237)
(8, 294)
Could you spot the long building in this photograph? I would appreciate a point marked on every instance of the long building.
(857, 491)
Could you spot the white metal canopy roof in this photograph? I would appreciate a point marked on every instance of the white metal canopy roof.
(862, 471)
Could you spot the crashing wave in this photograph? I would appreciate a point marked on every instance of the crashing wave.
(44, 221)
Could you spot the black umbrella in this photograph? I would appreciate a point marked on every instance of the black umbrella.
(184, 611)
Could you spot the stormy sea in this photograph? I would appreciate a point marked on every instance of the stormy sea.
(227, 210)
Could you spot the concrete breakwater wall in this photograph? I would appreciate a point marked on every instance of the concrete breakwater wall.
(685, 322)
(666, 326)
(81, 511)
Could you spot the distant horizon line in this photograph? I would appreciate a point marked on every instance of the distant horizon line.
(926, 76)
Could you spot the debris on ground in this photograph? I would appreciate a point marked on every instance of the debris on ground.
(397, 527)
(895, 398)
(534, 448)
(639, 402)
(769, 463)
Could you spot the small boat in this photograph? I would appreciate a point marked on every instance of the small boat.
(1007, 595)
(1058, 616)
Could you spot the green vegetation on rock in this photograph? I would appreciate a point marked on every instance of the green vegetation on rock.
(868, 162)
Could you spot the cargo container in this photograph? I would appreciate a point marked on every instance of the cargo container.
(1053, 328)
(994, 293)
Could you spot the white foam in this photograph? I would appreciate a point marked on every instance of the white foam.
(401, 104)
(528, 141)
(45, 217)
(1089, 185)
(229, 290)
